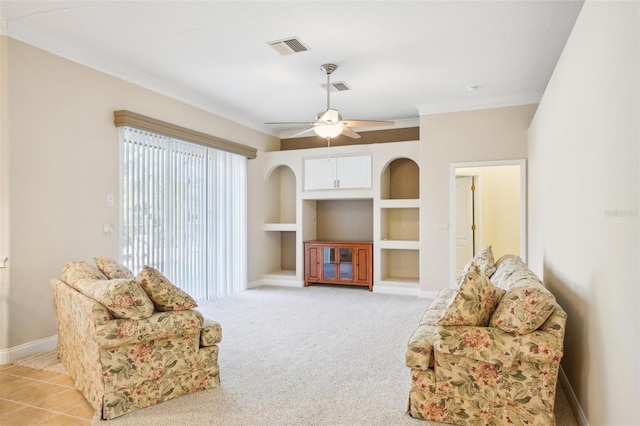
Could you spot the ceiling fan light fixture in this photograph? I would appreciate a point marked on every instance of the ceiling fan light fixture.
(328, 130)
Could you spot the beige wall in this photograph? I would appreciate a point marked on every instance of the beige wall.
(62, 150)
(344, 220)
(471, 136)
(583, 207)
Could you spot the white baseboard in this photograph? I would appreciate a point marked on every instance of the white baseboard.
(254, 284)
(12, 354)
(401, 291)
(571, 398)
(278, 281)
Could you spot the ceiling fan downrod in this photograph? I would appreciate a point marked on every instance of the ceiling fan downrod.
(328, 69)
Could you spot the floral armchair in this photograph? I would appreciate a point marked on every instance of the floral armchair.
(488, 351)
(131, 342)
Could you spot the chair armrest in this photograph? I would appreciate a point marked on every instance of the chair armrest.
(160, 325)
(487, 344)
(540, 347)
(210, 334)
(419, 352)
(494, 346)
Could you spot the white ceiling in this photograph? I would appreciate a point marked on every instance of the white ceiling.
(399, 58)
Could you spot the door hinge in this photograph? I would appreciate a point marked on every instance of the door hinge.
(473, 227)
(473, 187)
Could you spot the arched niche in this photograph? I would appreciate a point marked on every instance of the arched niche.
(280, 204)
(400, 179)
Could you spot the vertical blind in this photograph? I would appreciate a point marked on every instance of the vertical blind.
(184, 212)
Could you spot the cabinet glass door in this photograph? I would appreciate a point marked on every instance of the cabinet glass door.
(346, 264)
(329, 263)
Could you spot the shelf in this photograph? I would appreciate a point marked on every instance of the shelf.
(338, 194)
(400, 286)
(400, 282)
(286, 274)
(407, 203)
(280, 227)
(400, 244)
(283, 278)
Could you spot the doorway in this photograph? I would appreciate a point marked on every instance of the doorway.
(492, 214)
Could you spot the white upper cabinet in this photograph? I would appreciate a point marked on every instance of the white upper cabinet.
(347, 172)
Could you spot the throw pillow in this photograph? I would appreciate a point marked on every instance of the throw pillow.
(162, 292)
(123, 298)
(77, 270)
(523, 309)
(474, 302)
(485, 261)
(113, 269)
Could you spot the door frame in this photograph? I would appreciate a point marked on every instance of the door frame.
(452, 205)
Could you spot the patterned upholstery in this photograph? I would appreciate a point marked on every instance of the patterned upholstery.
(470, 375)
(122, 365)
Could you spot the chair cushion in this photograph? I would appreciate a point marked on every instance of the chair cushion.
(77, 270)
(523, 309)
(485, 261)
(474, 302)
(123, 298)
(113, 269)
(162, 292)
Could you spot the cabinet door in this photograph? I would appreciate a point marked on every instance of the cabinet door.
(349, 172)
(313, 261)
(329, 263)
(354, 171)
(319, 173)
(346, 264)
(362, 265)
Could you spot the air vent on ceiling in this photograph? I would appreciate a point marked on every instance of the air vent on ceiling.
(288, 46)
(338, 86)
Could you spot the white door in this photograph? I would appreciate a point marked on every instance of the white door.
(464, 222)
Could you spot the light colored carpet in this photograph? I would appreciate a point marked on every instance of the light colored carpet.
(307, 356)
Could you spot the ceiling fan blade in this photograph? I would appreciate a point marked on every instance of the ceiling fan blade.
(290, 122)
(350, 133)
(366, 123)
(303, 133)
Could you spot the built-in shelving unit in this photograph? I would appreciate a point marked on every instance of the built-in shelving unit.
(301, 209)
(281, 223)
(398, 249)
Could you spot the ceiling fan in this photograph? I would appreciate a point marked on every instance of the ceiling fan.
(329, 124)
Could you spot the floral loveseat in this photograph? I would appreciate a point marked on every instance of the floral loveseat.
(488, 352)
(131, 341)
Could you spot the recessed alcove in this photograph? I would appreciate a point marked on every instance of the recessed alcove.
(400, 180)
(280, 220)
(400, 265)
(280, 206)
(344, 220)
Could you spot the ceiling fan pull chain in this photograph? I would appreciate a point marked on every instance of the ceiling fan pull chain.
(328, 149)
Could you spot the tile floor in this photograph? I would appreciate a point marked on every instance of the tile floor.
(38, 397)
